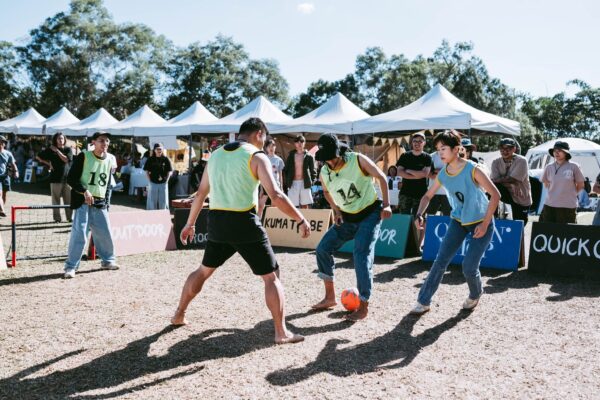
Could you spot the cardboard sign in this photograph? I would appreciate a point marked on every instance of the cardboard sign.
(139, 232)
(503, 251)
(284, 231)
(199, 240)
(394, 235)
(565, 250)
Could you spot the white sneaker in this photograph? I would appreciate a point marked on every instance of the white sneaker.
(419, 309)
(111, 266)
(69, 274)
(470, 304)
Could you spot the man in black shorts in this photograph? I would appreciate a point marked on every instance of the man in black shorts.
(232, 177)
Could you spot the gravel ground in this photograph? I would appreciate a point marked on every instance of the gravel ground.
(105, 334)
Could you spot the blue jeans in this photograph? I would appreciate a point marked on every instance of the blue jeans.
(596, 220)
(365, 234)
(158, 197)
(97, 221)
(450, 244)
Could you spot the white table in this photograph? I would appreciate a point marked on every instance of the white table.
(138, 179)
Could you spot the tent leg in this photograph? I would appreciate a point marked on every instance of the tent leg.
(190, 164)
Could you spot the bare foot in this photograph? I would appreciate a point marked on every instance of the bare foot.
(179, 319)
(359, 314)
(324, 304)
(289, 338)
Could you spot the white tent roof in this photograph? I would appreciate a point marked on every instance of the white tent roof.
(27, 118)
(583, 152)
(259, 107)
(437, 109)
(100, 120)
(180, 125)
(60, 118)
(135, 124)
(334, 116)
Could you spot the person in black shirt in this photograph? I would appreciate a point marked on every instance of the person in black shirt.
(413, 167)
(58, 157)
(159, 170)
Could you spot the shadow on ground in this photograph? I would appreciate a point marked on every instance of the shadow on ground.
(395, 349)
(133, 362)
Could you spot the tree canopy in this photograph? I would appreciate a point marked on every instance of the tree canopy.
(83, 59)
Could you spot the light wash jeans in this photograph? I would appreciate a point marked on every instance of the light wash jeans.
(97, 221)
(158, 196)
(596, 220)
(450, 244)
(365, 234)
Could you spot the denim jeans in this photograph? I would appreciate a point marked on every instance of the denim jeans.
(596, 220)
(365, 234)
(97, 221)
(450, 244)
(158, 197)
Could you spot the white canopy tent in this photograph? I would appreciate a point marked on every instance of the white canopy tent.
(28, 118)
(60, 118)
(437, 109)
(136, 123)
(583, 152)
(100, 120)
(182, 123)
(259, 107)
(334, 116)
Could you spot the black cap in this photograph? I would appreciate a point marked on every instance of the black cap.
(96, 135)
(329, 147)
(508, 142)
(560, 145)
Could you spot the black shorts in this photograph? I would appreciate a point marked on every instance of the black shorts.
(5, 183)
(259, 255)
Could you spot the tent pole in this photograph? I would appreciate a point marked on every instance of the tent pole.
(190, 165)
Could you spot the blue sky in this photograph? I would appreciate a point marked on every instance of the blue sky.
(533, 46)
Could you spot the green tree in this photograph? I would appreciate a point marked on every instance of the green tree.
(8, 85)
(221, 75)
(83, 59)
(320, 91)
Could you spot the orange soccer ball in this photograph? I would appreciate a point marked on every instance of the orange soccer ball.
(350, 299)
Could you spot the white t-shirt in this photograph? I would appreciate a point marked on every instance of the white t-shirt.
(277, 165)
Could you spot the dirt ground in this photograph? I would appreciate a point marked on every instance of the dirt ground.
(106, 334)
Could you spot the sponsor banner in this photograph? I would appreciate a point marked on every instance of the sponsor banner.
(201, 236)
(504, 251)
(565, 250)
(284, 231)
(139, 232)
(394, 235)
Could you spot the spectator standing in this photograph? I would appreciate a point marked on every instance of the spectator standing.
(510, 174)
(277, 166)
(8, 166)
(89, 178)
(596, 189)
(300, 174)
(158, 169)
(58, 157)
(413, 167)
(564, 180)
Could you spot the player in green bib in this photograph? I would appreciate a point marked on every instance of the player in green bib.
(347, 180)
(89, 178)
(232, 177)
